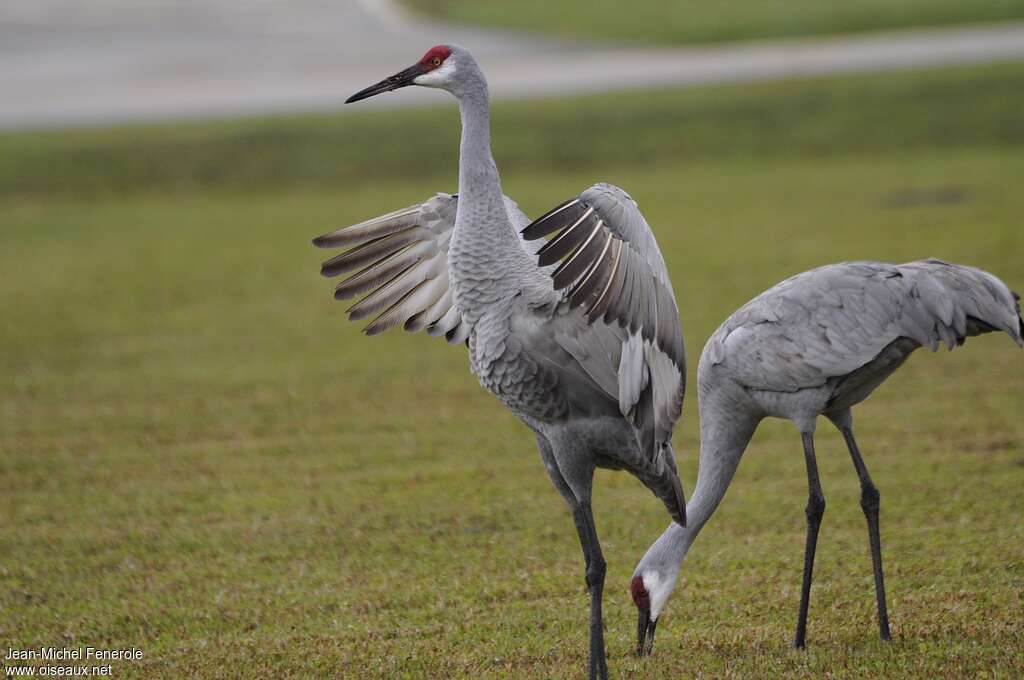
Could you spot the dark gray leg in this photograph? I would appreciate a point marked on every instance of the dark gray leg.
(595, 570)
(815, 509)
(592, 557)
(870, 502)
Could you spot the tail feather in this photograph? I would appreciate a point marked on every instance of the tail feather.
(964, 301)
(680, 501)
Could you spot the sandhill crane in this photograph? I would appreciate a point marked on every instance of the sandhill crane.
(816, 344)
(588, 353)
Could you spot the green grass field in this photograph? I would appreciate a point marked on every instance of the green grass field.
(668, 21)
(202, 458)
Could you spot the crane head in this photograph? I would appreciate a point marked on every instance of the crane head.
(434, 69)
(650, 591)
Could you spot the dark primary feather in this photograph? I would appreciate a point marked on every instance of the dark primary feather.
(599, 277)
(571, 271)
(611, 264)
(570, 237)
(540, 226)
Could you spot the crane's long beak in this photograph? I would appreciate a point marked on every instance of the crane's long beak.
(396, 81)
(645, 632)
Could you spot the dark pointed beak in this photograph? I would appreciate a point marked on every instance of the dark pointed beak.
(396, 81)
(645, 632)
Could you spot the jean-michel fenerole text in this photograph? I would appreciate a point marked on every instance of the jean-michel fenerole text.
(72, 653)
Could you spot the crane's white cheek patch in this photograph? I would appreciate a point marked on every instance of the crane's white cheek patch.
(439, 77)
(658, 589)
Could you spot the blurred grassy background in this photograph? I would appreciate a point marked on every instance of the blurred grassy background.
(202, 458)
(688, 21)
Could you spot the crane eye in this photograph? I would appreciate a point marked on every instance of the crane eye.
(436, 61)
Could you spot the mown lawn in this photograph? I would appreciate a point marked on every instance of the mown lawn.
(202, 458)
(688, 21)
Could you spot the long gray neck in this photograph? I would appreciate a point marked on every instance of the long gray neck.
(479, 183)
(486, 262)
(725, 431)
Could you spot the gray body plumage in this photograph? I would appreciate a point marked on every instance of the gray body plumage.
(821, 341)
(816, 344)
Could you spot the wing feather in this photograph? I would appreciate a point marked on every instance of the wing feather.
(371, 229)
(370, 252)
(566, 241)
(596, 277)
(401, 263)
(398, 262)
(597, 305)
(373, 276)
(390, 293)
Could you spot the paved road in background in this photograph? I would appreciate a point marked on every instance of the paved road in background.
(67, 62)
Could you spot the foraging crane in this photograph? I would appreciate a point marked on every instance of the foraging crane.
(816, 344)
(588, 353)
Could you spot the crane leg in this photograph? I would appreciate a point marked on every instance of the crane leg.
(592, 557)
(815, 509)
(870, 502)
(595, 570)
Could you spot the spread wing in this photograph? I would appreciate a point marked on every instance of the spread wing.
(612, 270)
(398, 263)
